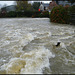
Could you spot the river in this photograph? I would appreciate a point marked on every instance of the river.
(28, 46)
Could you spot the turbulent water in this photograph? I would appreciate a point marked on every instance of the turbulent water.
(28, 46)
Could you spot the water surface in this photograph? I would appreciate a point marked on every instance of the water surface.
(27, 46)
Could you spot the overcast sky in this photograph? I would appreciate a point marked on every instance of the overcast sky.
(6, 2)
(12, 2)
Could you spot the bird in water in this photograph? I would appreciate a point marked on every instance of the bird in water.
(58, 44)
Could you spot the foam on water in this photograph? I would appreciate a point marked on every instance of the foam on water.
(41, 35)
(16, 37)
(28, 46)
(32, 62)
(22, 62)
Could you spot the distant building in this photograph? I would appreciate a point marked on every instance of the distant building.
(63, 2)
(46, 6)
(43, 6)
(8, 8)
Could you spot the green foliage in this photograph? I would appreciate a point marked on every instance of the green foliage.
(59, 14)
(23, 5)
(11, 14)
(41, 14)
(33, 14)
(72, 14)
(72, 9)
(19, 14)
(36, 5)
(72, 1)
(44, 14)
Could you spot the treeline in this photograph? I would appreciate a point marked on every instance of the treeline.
(25, 6)
(23, 9)
(33, 14)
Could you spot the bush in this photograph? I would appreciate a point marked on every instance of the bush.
(19, 14)
(42, 14)
(59, 14)
(11, 14)
(34, 14)
(72, 14)
(72, 9)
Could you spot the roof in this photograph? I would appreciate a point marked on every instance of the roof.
(64, 3)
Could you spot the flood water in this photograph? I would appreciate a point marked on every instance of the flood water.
(28, 46)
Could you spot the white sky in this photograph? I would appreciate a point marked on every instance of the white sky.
(6, 2)
(12, 2)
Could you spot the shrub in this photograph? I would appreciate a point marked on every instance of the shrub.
(11, 14)
(19, 14)
(41, 14)
(34, 14)
(59, 14)
(72, 9)
(72, 14)
(3, 15)
(44, 14)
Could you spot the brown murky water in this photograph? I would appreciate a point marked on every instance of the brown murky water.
(27, 46)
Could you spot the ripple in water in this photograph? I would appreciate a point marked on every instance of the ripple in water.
(27, 46)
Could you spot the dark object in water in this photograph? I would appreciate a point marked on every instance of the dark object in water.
(58, 44)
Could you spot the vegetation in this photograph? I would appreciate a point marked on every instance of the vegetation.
(59, 14)
(72, 1)
(72, 14)
(32, 14)
(44, 14)
(23, 5)
(19, 14)
(72, 9)
(36, 5)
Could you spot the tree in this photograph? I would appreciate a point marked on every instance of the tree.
(72, 1)
(23, 5)
(36, 5)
